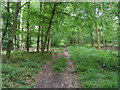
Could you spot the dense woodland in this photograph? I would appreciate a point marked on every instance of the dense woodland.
(32, 31)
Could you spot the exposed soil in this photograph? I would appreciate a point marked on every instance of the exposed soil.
(48, 78)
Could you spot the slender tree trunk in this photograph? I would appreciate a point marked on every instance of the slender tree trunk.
(38, 40)
(81, 39)
(18, 36)
(78, 37)
(7, 21)
(112, 27)
(21, 28)
(119, 28)
(70, 39)
(103, 32)
(96, 30)
(18, 46)
(1, 42)
(49, 27)
(97, 35)
(42, 32)
(42, 42)
(28, 35)
(92, 41)
(9, 44)
(48, 45)
(15, 42)
(22, 44)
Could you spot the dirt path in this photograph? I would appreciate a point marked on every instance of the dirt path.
(48, 78)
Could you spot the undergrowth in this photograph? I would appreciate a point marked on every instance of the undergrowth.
(21, 68)
(96, 68)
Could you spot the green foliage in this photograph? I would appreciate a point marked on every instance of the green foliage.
(21, 68)
(72, 24)
(96, 68)
(60, 64)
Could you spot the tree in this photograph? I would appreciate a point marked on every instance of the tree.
(28, 35)
(10, 41)
(38, 38)
(96, 29)
(7, 21)
(49, 27)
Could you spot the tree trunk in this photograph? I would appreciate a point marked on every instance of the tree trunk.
(18, 46)
(92, 41)
(7, 21)
(49, 27)
(1, 44)
(103, 32)
(48, 45)
(112, 27)
(18, 36)
(97, 35)
(119, 26)
(96, 29)
(15, 42)
(78, 39)
(81, 39)
(10, 41)
(42, 42)
(28, 35)
(38, 40)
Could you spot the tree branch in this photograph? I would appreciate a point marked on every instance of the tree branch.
(23, 5)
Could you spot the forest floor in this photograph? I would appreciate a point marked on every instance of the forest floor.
(48, 78)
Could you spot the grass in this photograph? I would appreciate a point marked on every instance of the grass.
(59, 51)
(22, 67)
(96, 68)
(60, 64)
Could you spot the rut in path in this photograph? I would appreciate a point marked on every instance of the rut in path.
(48, 78)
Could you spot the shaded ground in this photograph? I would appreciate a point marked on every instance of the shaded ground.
(111, 48)
(48, 78)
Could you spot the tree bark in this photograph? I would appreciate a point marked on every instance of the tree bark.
(15, 42)
(112, 27)
(42, 41)
(38, 40)
(92, 41)
(48, 44)
(18, 36)
(96, 29)
(10, 41)
(103, 31)
(119, 27)
(28, 35)
(97, 35)
(7, 21)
